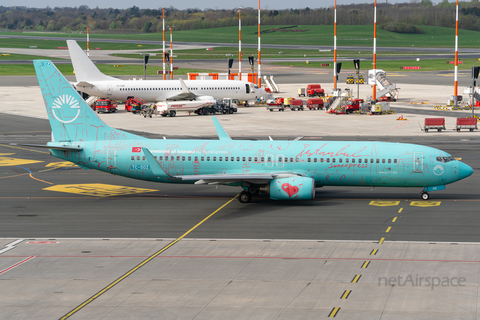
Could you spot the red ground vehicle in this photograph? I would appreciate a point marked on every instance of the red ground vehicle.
(296, 104)
(352, 105)
(315, 90)
(315, 104)
(105, 105)
(134, 104)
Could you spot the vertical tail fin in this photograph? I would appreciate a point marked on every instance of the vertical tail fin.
(70, 117)
(85, 69)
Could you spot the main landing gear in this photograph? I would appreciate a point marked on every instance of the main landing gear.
(246, 195)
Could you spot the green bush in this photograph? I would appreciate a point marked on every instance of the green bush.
(400, 27)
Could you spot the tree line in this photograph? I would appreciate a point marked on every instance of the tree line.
(399, 17)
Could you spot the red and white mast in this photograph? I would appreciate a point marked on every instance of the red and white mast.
(164, 75)
(456, 55)
(171, 54)
(375, 53)
(240, 43)
(259, 55)
(88, 42)
(335, 47)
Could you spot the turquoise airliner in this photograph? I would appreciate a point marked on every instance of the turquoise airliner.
(284, 170)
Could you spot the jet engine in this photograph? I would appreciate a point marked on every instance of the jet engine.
(205, 98)
(291, 188)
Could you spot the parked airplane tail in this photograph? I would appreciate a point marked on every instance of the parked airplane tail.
(70, 117)
(85, 69)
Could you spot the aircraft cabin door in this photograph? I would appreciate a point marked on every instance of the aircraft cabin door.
(247, 88)
(109, 90)
(418, 162)
(111, 158)
(280, 161)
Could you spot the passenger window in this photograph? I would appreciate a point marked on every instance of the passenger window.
(340, 160)
(143, 158)
(321, 159)
(291, 159)
(232, 159)
(178, 158)
(202, 158)
(394, 160)
(214, 158)
(160, 158)
(333, 160)
(243, 158)
(133, 157)
(189, 158)
(255, 159)
(269, 159)
(183, 158)
(249, 159)
(286, 159)
(238, 158)
(297, 159)
(378, 160)
(347, 160)
(155, 157)
(309, 160)
(383, 160)
(138, 157)
(262, 159)
(328, 159)
(389, 160)
(353, 160)
(196, 159)
(208, 158)
(371, 160)
(220, 158)
(314, 159)
(226, 158)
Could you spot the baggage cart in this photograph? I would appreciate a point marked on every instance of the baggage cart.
(434, 123)
(466, 123)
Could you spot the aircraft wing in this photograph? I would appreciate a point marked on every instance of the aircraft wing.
(256, 178)
(185, 95)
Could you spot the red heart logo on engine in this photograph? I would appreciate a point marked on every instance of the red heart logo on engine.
(289, 189)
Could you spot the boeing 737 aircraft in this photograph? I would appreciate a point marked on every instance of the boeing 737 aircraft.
(285, 170)
(90, 80)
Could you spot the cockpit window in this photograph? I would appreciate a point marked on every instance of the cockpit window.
(445, 159)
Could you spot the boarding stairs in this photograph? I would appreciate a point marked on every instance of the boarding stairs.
(334, 103)
(271, 84)
(91, 100)
(385, 86)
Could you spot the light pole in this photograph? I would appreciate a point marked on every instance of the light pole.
(240, 43)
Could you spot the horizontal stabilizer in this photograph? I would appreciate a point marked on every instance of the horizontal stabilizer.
(66, 148)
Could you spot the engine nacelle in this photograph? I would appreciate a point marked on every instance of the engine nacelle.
(205, 98)
(292, 188)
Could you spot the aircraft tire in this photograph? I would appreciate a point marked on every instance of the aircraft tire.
(425, 196)
(244, 197)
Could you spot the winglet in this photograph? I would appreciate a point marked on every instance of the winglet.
(222, 134)
(184, 86)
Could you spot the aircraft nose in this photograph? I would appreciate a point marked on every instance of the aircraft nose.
(464, 171)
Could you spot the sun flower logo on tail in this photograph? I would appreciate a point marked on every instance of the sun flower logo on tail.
(67, 105)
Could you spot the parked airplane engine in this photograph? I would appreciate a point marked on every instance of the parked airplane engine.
(292, 188)
(205, 98)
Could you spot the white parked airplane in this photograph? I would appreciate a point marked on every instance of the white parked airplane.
(93, 82)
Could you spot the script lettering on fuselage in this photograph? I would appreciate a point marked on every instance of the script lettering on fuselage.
(341, 152)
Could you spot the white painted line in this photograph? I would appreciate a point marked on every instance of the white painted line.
(16, 264)
(10, 245)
